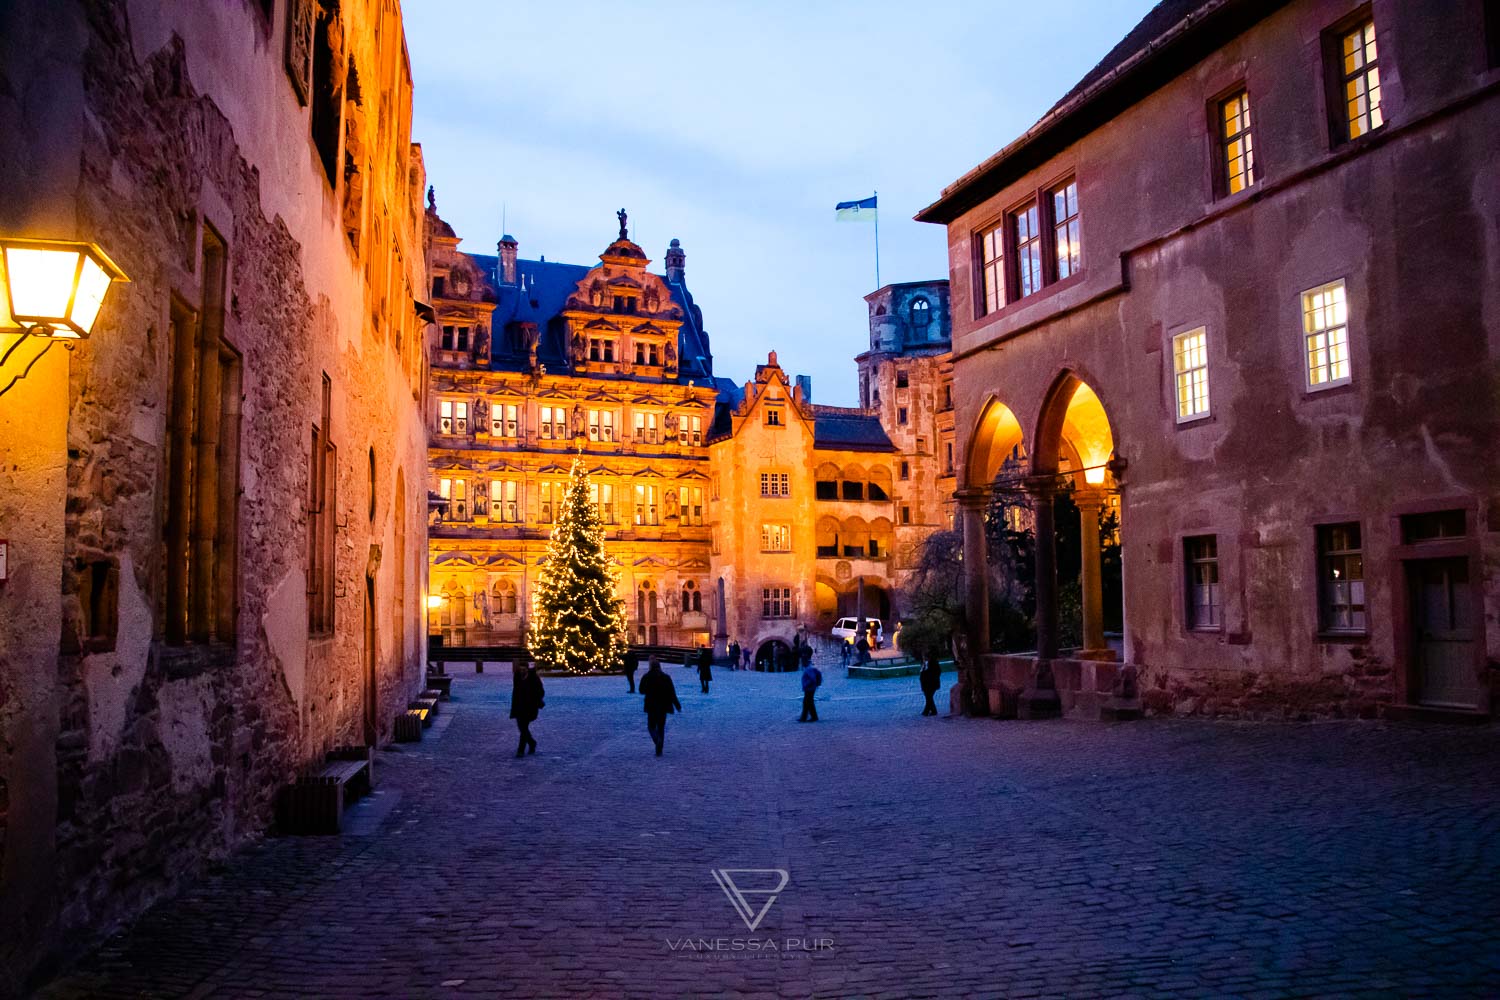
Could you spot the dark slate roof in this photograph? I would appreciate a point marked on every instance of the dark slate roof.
(539, 296)
(848, 429)
(1172, 37)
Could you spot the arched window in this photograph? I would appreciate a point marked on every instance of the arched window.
(921, 313)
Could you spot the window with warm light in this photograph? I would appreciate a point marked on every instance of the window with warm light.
(1358, 71)
(1190, 370)
(992, 267)
(554, 423)
(646, 426)
(506, 501)
(602, 495)
(1325, 332)
(690, 503)
(1236, 143)
(776, 538)
(505, 420)
(645, 505)
(601, 425)
(1065, 238)
(1027, 234)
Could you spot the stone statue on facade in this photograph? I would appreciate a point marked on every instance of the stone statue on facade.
(652, 297)
(669, 353)
(481, 415)
(596, 293)
(580, 346)
(671, 504)
(669, 423)
(482, 344)
(482, 608)
(622, 217)
(533, 339)
(577, 420)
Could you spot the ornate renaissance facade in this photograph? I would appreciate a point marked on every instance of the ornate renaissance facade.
(787, 506)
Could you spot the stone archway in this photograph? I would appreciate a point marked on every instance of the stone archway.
(1074, 446)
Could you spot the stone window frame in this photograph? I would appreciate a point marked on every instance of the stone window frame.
(1203, 598)
(778, 483)
(776, 603)
(997, 264)
(603, 424)
(1324, 321)
(775, 537)
(1188, 363)
(1335, 553)
(1224, 140)
(1337, 76)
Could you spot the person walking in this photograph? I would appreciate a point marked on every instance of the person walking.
(526, 700)
(705, 667)
(932, 679)
(746, 654)
(862, 651)
(812, 679)
(807, 655)
(660, 696)
(734, 655)
(632, 664)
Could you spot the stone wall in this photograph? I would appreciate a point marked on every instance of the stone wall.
(166, 755)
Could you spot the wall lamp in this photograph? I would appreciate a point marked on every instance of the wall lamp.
(53, 290)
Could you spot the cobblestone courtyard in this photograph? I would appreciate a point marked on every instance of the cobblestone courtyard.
(928, 857)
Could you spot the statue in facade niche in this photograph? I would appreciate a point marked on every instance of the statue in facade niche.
(596, 292)
(580, 345)
(653, 298)
(669, 353)
(671, 504)
(670, 423)
(481, 414)
(482, 608)
(482, 343)
(622, 217)
(577, 420)
(533, 338)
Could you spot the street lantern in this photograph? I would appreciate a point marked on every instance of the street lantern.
(435, 600)
(54, 288)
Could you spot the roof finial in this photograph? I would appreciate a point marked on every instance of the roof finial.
(623, 231)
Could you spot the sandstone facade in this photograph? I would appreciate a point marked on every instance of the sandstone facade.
(215, 504)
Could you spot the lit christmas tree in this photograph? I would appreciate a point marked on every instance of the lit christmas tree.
(578, 623)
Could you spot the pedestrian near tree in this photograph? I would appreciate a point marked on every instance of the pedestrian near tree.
(632, 664)
(660, 696)
(705, 667)
(932, 679)
(526, 700)
(812, 679)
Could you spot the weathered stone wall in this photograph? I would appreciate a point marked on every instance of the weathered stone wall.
(167, 755)
(1406, 219)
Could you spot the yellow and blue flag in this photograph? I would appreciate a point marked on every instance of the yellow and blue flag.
(862, 210)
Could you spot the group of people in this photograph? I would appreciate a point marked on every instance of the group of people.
(659, 693)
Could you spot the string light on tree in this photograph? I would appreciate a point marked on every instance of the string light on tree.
(578, 622)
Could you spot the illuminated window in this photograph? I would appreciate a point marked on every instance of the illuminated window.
(602, 495)
(456, 492)
(775, 484)
(645, 504)
(505, 420)
(776, 602)
(1341, 578)
(554, 423)
(506, 502)
(776, 537)
(690, 500)
(645, 426)
(1065, 229)
(453, 417)
(1204, 610)
(992, 264)
(1236, 142)
(921, 313)
(1359, 81)
(601, 425)
(1190, 366)
(692, 429)
(1325, 331)
(1026, 225)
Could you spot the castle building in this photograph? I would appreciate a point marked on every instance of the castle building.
(1240, 279)
(212, 510)
(537, 362)
(711, 492)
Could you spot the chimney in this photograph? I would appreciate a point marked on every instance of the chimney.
(804, 382)
(507, 247)
(676, 263)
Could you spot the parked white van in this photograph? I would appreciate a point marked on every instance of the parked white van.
(846, 629)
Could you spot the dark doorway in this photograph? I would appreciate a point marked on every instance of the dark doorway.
(774, 655)
(1443, 624)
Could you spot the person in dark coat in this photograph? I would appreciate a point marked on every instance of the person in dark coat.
(660, 701)
(525, 702)
(812, 679)
(932, 679)
(862, 648)
(807, 655)
(632, 664)
(705, 667)
(734, 655)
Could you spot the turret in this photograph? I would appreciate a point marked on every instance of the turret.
(676, 261)
(507, 247)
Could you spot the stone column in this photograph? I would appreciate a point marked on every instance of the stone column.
(971, 696)
(721, 632)
(1089, 503)
(1041, 490)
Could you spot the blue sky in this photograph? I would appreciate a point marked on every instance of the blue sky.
(735, 127)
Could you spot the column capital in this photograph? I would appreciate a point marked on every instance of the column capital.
(1040, 487)
(972, 497)
(1089, 498)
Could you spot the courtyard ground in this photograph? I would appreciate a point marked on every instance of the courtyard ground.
(926, 857)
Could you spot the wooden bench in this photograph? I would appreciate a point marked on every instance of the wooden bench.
(315, 802)
(427, 707)
(409, 726)
(441, 683)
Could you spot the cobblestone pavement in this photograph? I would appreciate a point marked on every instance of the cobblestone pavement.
(940, 857)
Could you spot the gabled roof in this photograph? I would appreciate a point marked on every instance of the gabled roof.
(1172, 37)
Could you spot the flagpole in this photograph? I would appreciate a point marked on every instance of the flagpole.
(877, 239)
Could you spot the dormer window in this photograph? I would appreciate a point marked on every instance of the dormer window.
(625, 303)
(774, 417)
(921, 313)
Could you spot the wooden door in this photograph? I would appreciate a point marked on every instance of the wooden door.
(1443, 633)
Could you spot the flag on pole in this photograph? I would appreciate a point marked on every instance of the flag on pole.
(862, 210)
